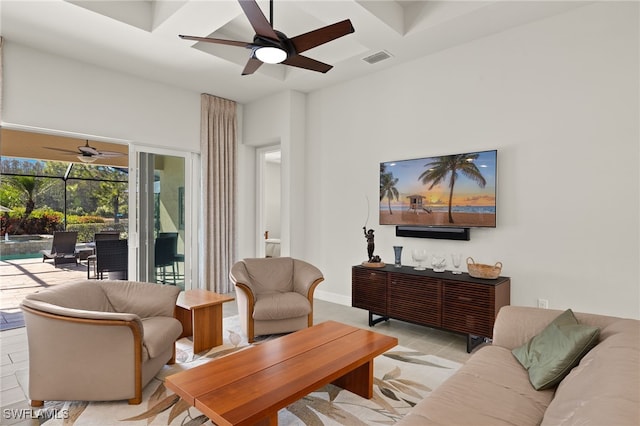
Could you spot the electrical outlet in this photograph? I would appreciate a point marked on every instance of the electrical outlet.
(543, 303)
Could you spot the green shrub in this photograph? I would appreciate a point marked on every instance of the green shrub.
(76, 211)
(75, 219)
(47, 213)
(38, 222)
(86, 231)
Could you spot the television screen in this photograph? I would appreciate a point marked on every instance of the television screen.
(447, 191)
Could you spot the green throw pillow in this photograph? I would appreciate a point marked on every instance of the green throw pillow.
(550, 356)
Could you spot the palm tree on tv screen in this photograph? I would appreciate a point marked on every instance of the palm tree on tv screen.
(388, 187)
(451, 165)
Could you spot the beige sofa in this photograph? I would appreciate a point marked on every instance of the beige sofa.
(492, 388)
(98, 340)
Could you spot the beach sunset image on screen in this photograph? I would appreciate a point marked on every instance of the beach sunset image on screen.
(456, 190)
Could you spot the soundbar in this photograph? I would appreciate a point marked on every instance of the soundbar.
(431, 232)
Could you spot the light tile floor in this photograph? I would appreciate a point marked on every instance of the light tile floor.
(20, 277)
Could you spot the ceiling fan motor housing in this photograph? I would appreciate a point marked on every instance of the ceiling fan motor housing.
(284, 43)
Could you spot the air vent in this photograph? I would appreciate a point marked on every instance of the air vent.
(377, 57)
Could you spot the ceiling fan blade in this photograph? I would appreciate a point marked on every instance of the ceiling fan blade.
(66, 151)
(252, 65)
(87, 150)
(109, 154)
(256, 18)
(307, 63)
(216, 40)
(322, 35)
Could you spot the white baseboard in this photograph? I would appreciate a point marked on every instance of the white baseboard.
(332, 297)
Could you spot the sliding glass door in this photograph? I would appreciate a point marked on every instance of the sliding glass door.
(165, 219)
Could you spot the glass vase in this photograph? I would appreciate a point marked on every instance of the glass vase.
(397, 251)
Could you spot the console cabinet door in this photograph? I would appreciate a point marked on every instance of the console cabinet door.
(415, 299)
(369, 290)
(468, 308)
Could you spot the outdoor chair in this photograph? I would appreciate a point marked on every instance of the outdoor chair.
(99, 236)
(106, 235)
(165, 256)
(177, 257)
(112, 256)
(98, 341)
(275, 295)
(63, 248)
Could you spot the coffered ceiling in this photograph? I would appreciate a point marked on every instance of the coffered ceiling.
(140, 37)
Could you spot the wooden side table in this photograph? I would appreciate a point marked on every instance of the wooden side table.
(200, 312)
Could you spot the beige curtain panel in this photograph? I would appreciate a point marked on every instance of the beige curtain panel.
(1, 81)
(218, 155)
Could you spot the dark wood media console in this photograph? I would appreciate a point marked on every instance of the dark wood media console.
(458, 303)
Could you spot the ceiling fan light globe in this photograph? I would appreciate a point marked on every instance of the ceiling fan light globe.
(86, 159)
(270, 55)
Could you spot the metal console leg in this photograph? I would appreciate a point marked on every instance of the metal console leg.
(474, 341)
(373, 322)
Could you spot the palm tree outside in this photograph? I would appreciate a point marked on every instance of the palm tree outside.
(27, 187)
(452, 165)
(46, 196)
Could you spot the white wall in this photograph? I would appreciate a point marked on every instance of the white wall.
(559, 100)
(272, 201)
(45, 91)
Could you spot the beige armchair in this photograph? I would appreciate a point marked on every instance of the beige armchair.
(98, 340)
(275, 295)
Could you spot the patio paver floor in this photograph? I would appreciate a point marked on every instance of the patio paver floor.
(20, 277)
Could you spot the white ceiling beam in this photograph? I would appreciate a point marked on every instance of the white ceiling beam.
(390, 13)
(163, 10)
(136, 13)
(193, 17)
(422, 15)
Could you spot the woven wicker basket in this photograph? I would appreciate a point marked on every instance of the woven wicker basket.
(478, 270)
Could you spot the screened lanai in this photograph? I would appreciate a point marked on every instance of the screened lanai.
(54, 183)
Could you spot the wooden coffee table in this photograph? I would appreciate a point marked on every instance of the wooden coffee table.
(200, 313)
(249, 386)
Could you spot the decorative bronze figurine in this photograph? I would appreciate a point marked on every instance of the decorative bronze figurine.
(370, 245)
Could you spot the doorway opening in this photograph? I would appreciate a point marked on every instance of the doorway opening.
(269, 184)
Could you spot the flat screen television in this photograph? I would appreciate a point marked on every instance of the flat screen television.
(452, 191)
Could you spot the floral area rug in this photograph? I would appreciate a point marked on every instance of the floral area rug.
(402, 378)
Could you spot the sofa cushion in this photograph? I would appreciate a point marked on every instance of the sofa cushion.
(550, 355)
(604, 389)
(492, 388)
(277, 306)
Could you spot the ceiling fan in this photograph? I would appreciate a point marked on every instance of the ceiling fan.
(273, 47)
(88, 154)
